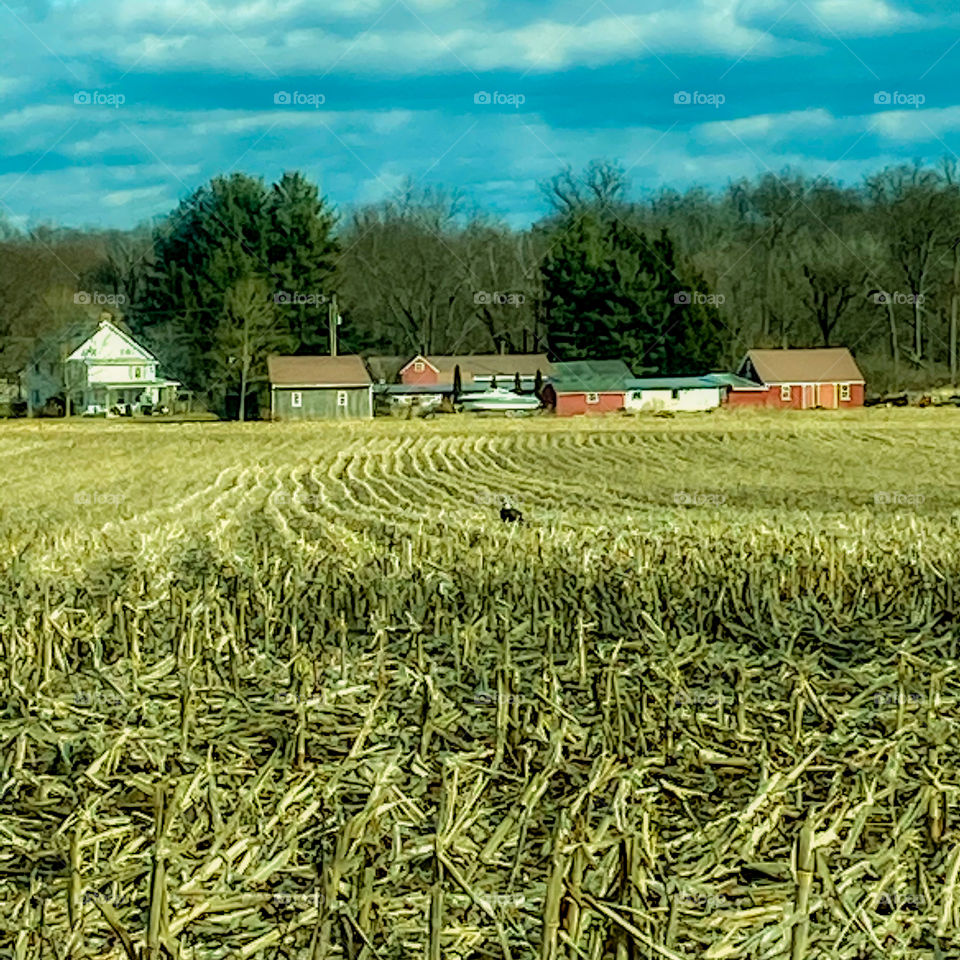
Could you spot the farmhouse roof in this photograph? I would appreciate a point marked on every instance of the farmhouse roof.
(345, 371)
(120, 331)
(590, 376)
(823, 365)
(60, 343)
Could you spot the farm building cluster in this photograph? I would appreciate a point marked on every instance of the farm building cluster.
(101, 368)
(308, 387)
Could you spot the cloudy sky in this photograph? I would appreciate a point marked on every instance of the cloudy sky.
(113, 110)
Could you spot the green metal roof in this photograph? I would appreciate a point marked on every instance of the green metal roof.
(733, 380)
(671, 383)
(594, 376)
(690, 383)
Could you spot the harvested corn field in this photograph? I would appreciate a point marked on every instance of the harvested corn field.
(296, 690)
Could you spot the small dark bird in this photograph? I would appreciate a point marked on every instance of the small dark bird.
(510, 514)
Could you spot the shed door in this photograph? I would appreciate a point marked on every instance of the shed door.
(827, 395)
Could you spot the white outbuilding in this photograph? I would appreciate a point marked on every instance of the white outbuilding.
(678, 394)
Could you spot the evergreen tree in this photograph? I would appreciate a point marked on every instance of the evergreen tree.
(610, 293)
(302, 253)
(228, 231)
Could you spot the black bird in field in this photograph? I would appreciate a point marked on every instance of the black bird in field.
(509, 514)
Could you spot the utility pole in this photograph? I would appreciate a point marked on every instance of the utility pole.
(66, 388)
(333, 318)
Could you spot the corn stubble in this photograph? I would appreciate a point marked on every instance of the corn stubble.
(329, 706)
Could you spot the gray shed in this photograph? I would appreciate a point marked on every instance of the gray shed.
(319, 388)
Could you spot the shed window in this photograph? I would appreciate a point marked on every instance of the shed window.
(593, 398)
(844, 391)
(341, 398)
(296, 399)
(418, 367)
(785, 392)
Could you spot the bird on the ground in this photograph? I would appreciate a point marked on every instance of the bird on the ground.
(510, 514)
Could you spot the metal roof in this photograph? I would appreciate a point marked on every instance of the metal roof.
(405, 389)
(345, 371)
(733, 380)
(488, 364)
(413, 389)
(590, 376)
(672, 383)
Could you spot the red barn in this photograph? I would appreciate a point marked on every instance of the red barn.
(799, 379)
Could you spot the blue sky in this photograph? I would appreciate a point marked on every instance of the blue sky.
(111, 111)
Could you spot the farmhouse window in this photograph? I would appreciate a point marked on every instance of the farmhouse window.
(296, 399)
(785, 392)
(593, 398)
(844, 391)
(418, 367)
(137, 372)
(341, 398)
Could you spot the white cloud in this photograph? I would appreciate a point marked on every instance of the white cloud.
(863, 16)
(29, 117)
(769, 127)
(9, 85)
(828, 17)
(121, 198)
(921, 124)
(419, 36)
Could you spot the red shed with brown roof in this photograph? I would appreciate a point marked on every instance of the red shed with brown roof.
(799, 379)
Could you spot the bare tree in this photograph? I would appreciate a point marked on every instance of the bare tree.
(247, 332)
(908, 205)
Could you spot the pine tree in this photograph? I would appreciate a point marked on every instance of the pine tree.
(611, 293)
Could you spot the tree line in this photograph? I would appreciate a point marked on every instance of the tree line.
(674, 283)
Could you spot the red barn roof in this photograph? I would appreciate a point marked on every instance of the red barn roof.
(823, 365)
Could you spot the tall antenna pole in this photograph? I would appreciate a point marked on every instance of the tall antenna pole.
(334, 319)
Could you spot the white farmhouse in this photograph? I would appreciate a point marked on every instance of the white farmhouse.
(105, 368)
